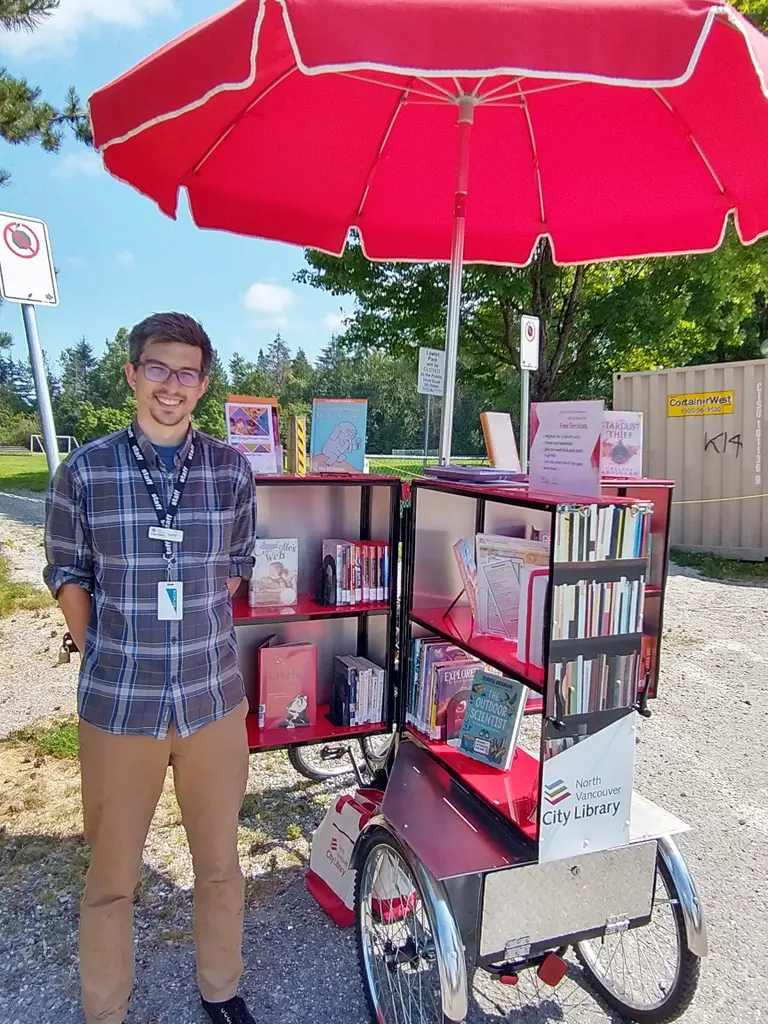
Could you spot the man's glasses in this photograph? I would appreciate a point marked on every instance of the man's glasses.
(159, 373)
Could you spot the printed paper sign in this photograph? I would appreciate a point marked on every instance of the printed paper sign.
(431, 371)
(565, 447)
(621, 449)
(587, 794)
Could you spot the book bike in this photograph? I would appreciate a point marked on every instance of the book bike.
(527, 875)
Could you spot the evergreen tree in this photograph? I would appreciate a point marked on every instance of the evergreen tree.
(209, 415)
(24, 116)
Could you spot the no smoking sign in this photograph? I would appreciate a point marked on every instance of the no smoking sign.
(27, 273)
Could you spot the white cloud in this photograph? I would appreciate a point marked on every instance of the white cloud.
(268, 298)
(335, 321)
(125, 258)
(59, 33)
(74, 164)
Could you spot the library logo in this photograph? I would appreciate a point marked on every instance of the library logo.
(556, 792)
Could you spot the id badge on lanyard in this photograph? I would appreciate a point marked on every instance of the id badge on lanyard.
(170, 593)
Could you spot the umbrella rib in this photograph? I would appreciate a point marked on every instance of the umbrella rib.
(243, 113)
(683, 125)
(536, 168)
(436, 96)
(369, 180)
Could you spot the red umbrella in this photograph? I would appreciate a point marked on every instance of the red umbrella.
(616, 128)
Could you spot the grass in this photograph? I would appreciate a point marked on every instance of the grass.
(18, 596)
(718, 568)
(23, 473)
(407, 469)
(58, 740)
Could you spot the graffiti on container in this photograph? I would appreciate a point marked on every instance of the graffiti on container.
(720, 442)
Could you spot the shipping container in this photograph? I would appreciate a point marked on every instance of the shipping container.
(703, 429)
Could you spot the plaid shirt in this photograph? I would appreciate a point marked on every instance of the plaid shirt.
(139, 674)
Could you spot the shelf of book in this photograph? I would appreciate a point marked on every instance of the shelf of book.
(457, 627)
(297, 517)
(323, 729)
(305, 609)
(512, 793)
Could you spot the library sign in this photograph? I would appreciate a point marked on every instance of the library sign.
(701, 403)
(587, 793)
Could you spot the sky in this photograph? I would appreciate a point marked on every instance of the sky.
(118, 258)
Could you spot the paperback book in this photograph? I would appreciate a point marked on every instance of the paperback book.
(354, 572)
(275, 574)
(594, 533)
(492, 720)
(621, 446)
(358, 693)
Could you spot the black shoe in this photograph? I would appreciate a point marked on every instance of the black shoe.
(234, 1011)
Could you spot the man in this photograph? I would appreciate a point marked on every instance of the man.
(149, 532)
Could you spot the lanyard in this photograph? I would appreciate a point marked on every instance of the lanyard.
(166, 519)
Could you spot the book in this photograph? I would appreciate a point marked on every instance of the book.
(451, 688)
(465, 559)
(500, 561)
(275, 579)
(287, 686)
(500, 441)
(492, 719)
(584, 685)
(354, 572)
(252, 428)
(596, 533)
(621, 445)
(357, 696)
(532, 623)
(337, 436)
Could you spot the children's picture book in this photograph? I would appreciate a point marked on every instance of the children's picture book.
(492, 719)
(337, 437)
(252, 428)
(275, 575)
(287, 686)
(621, 446)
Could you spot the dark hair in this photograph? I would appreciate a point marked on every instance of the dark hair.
(170, 327)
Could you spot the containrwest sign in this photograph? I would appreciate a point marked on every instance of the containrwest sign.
(701, 403)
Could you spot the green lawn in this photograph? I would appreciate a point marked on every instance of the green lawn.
(23, 473)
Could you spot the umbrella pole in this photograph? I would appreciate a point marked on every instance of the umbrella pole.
(466, 117)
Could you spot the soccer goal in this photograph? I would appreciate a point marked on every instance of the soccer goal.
(66, 442)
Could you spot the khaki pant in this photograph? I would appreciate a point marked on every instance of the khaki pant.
(122, 780)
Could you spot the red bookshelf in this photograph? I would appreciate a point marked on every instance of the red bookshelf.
(305, 609)
(270, 739)
(352, 507)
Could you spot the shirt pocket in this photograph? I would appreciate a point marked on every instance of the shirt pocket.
(208, 534)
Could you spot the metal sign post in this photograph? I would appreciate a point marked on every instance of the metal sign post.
(431, 382)
(529, 360)
(27, 276)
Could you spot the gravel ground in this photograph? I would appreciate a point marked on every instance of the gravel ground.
(702, 756)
